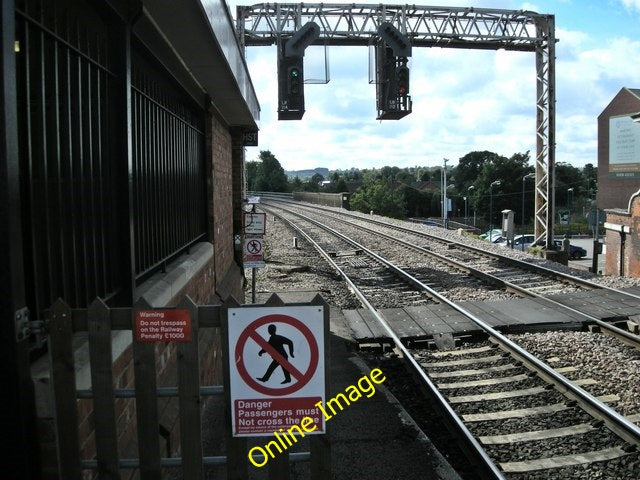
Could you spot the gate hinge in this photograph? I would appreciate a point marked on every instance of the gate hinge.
(26, 327)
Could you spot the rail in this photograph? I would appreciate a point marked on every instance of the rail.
(618, 423)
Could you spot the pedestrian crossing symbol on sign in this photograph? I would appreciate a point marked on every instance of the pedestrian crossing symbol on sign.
(277, 363)
(253, 252)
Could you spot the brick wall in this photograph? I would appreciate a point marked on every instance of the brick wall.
(221, 215)
(624, 259)
(614, 192)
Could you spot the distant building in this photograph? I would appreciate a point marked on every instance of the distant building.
(619, 150)
(619, 181)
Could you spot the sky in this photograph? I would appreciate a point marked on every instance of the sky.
(463, 100)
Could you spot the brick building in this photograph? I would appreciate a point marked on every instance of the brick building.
(122, 130)
(619, 181)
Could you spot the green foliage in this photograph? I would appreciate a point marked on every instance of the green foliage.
(377, 195)
(341, 186)
(480, 170)
(267, 175)
(395, 191)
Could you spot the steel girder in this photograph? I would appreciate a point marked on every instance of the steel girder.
(447, 27)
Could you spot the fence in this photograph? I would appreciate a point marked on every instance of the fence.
(73, 99)
(99, 321)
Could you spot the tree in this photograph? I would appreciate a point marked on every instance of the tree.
(506, 196)
(269, 174)
(341, 186)
(380, 196)
(295, 185)
(251, 174)
(470, 166)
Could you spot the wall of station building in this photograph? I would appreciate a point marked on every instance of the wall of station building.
(623, 240)
(619, 182)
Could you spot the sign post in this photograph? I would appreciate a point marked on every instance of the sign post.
(276, 371)
(253, 251)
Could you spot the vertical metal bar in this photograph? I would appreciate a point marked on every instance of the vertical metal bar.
(103, 178)
(89, 180)
(120, 35)
(27, 154)
(137, 151)
(155, 171)
(176, 212)
(79, 207)
(70, 197)
(57, 266)
(144, 182)
(61, 80)
(165, 195)
(41, 168)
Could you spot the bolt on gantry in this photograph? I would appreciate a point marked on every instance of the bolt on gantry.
(425, 26)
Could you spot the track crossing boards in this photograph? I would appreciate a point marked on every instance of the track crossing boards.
(276, 367)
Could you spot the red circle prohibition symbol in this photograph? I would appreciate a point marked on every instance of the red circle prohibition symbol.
(251, 331)
(254, 246)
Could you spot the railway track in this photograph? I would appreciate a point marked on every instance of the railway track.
(478, 388)
(461, 270)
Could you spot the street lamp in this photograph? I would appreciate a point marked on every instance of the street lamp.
(569, 202)
(528, 175)
(445, 208)
(495, 183)
(466, 204)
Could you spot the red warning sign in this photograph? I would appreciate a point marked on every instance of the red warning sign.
(163, 325)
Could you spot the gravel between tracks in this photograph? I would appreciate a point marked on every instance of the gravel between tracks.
(302, 269)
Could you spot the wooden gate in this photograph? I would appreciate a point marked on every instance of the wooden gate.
(99, 322)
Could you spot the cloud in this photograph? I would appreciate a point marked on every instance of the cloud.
(463, 100)
(632, 5)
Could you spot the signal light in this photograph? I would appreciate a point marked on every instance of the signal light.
(294, 80)
(402, 80)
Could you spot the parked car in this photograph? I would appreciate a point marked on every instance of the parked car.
(575, 252)
(521, 242)
(494, 236)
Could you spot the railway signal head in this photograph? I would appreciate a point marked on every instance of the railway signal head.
(291, 72)
(290, 88)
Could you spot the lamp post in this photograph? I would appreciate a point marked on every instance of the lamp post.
(445, 209)
(528, 175)
(466, 204)
(569, 202)
(495, 183)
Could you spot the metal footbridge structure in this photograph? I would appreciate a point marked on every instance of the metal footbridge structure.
(427, 26)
